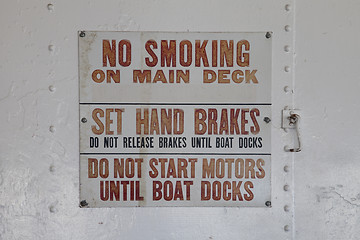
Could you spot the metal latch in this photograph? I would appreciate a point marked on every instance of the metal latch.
(291, 120)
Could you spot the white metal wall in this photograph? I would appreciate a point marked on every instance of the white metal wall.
(327, 91)
(314, 193)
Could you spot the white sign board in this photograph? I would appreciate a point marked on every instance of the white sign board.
(175, 119)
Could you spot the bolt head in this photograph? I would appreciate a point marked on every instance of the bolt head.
(83, 120)
(83, 203)
(267, 119)
(82, 34)
(268, 35)
(268, 203)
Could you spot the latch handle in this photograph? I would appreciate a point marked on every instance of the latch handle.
(291, 120)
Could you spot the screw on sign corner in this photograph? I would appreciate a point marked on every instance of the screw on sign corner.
(82, 34)
(268, 203)
(267, 119)
(83, 203)
(268, 35)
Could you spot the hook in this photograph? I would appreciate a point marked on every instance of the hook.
(292, 120)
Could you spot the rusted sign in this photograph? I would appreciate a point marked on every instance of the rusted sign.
(175, 119)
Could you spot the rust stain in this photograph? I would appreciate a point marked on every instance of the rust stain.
(85, 46)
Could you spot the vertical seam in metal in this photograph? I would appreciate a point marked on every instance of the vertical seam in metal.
(293, 106)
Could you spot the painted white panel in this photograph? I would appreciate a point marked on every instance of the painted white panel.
(327, 92)
(39, 132)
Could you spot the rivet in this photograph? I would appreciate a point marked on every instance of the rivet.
(267, 119)
(288, 7)
(287, 48)
(287, 89)
(268, 35)
(52, 129)
(287, 28)
(286, 228)
(51, 48)
(50, 7)
(52, 168)
(286, 168)
(83, 203)
(286, 188)
(52, 209)
(268, 203)
(286, 208)
(52, 88)
(287, 69)
(82, 34)
(83, 120)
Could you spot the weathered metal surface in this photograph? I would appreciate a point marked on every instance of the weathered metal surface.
(39, 173)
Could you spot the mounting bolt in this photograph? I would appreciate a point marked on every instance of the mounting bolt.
(293, 119)
(268, 35)
(83, 120)
(267, 119)
(268, 203)
(83, 203)
(82, 34)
